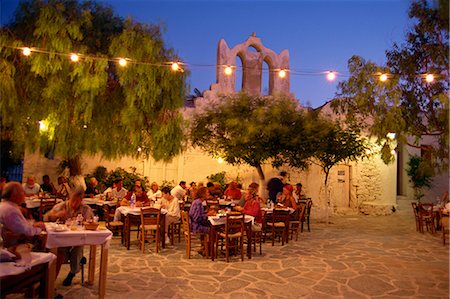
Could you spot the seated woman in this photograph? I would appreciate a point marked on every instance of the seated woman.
(141, 197)
(154, 194)
(252, 206)
(198, 218)
(286, 199)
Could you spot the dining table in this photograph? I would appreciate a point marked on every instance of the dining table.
(218, 221)
(35, 202)
(60, 235)
(132, 217)
(24, 273)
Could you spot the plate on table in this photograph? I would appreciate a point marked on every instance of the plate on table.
(60, 228)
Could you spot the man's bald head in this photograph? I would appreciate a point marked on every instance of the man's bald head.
(13, 191)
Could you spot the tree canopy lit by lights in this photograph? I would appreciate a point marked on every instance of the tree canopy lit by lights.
(88, 103)
(412, 100)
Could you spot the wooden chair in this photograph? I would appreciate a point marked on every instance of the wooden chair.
(150, 227)
(306, 217)
(175, 229)
(294, 225)
(114, 226)
(190, 237)
(426, 216)
(232, 236)
(257, 234)
(45, 206)
(445, 225)
(277, 224)
(416, 216)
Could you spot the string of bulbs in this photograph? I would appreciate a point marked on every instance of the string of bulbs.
(177, 66)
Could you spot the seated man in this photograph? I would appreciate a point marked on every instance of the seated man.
(67, 210)
(15, 228)
(91, 189)
(48, 186)
(31, 187)
(64, 188)
(141, 197)
(233, 192)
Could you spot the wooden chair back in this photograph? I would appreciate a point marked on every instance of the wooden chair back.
(150, 226)
(445, 225)
(45, 206)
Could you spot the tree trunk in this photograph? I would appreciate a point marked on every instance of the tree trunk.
(262, 182)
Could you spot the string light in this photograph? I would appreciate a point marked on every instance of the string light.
(122, 62)
(228, 71)
(26, 51)
(331, 76)
(74, 57)
(175, 66)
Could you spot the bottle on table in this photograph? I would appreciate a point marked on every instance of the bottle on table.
(133, 200)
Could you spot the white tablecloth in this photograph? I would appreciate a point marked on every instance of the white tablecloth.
(11, 268)
(98, 202)
(125, 210)
(217, 220)
(270, 211)
(77, 237)
(33, 203)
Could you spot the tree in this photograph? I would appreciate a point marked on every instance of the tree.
(405, 104)
(50, 103)
(251, 129)
(420, 175)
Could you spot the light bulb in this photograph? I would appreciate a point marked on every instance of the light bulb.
(331, 76)
(429, 78)
(282, 74)
(74, 57)
(383, 77)
(122, 62)
(228, 71)
(26, 51)
(174, 66)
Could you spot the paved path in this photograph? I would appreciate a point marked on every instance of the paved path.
(353, 257)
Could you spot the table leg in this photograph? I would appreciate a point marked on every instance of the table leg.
(212, 241)
(127, 232)
(92, 256)
(50, 278)
(163, 230)
(103, 272)
(249, 240)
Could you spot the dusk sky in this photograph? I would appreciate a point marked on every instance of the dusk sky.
(319, 35)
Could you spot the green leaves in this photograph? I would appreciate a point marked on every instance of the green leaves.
(405, 104)
(91, 105)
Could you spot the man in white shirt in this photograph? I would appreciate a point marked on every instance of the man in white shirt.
(179, 191)
(170, 203)
(15, 226)
(31, 187)
(119, 192)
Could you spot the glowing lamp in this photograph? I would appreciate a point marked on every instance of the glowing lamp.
(393, 152)
(43, 127)
(282, 74)
(383, 77)
(175, 66)
(331, 76)
(26, 51)
(85, 126)
(390, 135)
(139, 149)
(74, 57)
(228, 71)
(122, 62)
(429, 78)
(220, 160)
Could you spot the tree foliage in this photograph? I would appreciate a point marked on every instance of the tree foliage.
(256, 130)
(248, 129)
(93, 106)
(405, 104)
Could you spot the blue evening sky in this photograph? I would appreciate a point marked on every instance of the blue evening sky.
(319, 35)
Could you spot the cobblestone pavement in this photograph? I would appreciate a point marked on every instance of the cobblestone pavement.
(351, 257)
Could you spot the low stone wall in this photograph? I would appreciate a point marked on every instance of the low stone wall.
(376, 209)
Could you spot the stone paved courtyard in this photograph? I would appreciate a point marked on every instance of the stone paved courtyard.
(352, 257)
